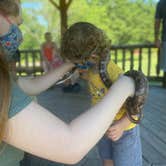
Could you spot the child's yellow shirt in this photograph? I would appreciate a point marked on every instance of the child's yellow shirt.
(98, 89)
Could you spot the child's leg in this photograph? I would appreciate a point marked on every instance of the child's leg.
(105, 151)
(127, 150)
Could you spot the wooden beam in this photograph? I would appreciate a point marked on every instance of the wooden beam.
(55, 4)
(69, 3)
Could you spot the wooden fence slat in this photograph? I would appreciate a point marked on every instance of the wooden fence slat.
(140, 59)
(149, 61)
(116, 56)
(123, 59)
(131, 59)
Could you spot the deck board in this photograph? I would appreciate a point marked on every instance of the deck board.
(153, 126)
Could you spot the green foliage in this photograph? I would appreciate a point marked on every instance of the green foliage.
(127, 22)
(124, 21)
(31, 28)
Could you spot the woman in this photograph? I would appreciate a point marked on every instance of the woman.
(29, 127)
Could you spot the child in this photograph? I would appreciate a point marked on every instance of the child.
(49, 51)
(121, 144)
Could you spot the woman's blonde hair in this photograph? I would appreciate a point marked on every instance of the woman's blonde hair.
(4, 92)
(9, 8)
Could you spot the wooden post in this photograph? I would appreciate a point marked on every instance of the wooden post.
(158, 63)
(63, 16)
(164, 80)
(63, 8)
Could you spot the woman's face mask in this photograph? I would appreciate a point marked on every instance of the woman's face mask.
(11, 41)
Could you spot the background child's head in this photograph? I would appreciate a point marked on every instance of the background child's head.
(48, 36)
(82, 40)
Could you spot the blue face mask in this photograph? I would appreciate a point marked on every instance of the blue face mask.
(11, 41)
(90, 64)
(86, 65)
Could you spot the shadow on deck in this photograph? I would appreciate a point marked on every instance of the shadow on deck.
(153, 127)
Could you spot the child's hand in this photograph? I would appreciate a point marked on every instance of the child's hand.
(115, 131)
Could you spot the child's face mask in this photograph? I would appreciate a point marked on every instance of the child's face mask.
(11, 41)
(90, 64)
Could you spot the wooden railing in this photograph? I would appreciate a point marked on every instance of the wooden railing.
(139, 57)
(30, 63)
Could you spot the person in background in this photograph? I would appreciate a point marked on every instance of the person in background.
(52, 60)
(160, 42)
(50, 53)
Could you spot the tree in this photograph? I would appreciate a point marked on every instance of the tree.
(129, 21)
(63, 8)
(32, 29)
(123, 21)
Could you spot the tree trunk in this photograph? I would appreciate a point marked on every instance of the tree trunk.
(63, 16)
(62, 7)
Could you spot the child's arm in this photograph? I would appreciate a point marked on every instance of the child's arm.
(116, 130)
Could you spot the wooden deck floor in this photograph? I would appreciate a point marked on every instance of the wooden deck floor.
(153, 126)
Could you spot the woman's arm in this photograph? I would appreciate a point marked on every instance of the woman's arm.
(34, 86)
(39, 132)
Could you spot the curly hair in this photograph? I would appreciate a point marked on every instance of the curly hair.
(9, 7)
(83, 39)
